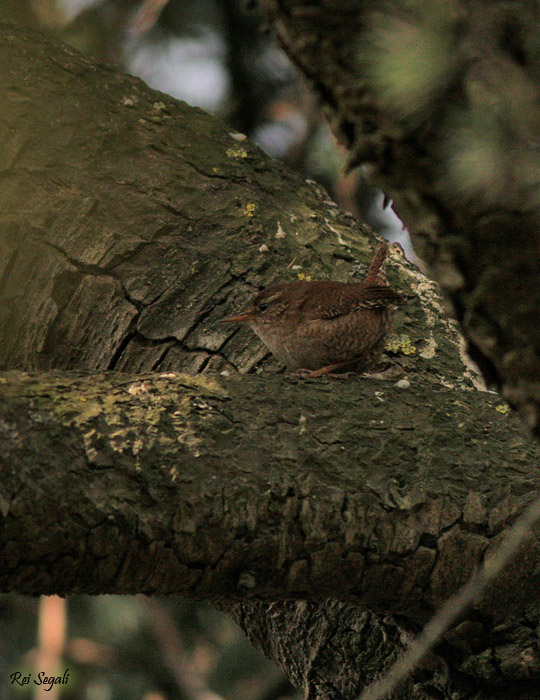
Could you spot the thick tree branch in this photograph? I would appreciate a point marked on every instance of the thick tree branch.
(132, 223)
(177, 484)
(171, 483)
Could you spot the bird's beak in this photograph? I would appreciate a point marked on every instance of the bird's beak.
(246, 316)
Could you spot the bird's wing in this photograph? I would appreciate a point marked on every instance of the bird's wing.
(340, 300)
(376, 295)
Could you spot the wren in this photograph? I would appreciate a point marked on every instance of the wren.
(315, 328)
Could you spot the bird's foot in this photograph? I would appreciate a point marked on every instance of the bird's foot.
(327, 371)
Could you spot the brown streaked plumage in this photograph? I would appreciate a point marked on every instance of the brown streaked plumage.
(318, 327)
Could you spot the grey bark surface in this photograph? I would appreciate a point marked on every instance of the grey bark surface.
(477, 230)
(338, 633)
(130, 225)
(134, 223)
(330, 497)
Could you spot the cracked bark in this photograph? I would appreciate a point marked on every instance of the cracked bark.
(130, 226)
(159, 253)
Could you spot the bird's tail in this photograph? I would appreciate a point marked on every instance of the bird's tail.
(375, 274)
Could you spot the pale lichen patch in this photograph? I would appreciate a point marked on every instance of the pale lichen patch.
(237, 136)
(429, 349)
(471, 371)
(88, 440)
(236, 152)
(280, 233)
(168, 406)
(400, 344)
(249, 209)
(87, 413)
(203, 382)
(338, 234)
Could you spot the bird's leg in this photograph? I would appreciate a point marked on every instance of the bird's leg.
(328, 371)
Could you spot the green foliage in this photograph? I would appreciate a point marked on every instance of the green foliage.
(408, 52)
(490, 148)
(478, 66)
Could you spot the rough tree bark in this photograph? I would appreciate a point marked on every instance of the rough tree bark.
(194, 485)
(131, 224)
(114, 261)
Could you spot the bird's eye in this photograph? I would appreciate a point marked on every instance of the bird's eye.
(263, 306)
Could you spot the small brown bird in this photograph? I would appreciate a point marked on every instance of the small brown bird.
(315, 328)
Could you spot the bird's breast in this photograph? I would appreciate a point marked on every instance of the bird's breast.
(314, 343)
